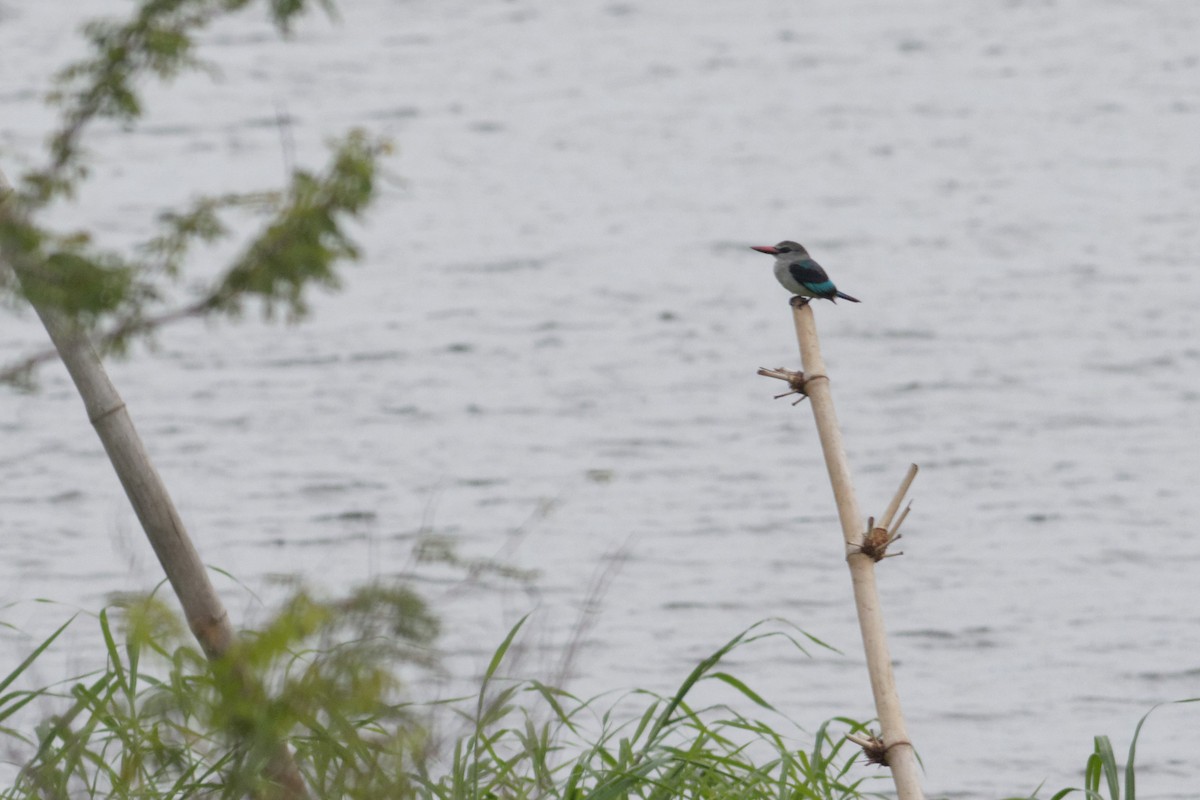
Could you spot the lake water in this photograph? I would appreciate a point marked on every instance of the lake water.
(548, 352)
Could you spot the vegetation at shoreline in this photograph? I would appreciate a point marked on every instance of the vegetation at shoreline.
(333, 679)
(160, 720)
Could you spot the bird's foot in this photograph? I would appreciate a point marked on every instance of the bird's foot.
(799, 301)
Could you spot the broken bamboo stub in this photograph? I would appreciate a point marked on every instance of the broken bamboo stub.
(897, 748)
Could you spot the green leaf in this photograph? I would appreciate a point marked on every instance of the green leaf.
(7, 680)
(743, 688)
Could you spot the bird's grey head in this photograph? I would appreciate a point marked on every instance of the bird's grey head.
(784, 248)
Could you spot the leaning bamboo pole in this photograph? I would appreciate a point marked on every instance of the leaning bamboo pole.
(864, 547)
(205, 613)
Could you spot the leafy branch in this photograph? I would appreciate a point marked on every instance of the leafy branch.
(113, 297)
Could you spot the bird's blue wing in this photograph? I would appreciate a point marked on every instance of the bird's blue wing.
(810, 273)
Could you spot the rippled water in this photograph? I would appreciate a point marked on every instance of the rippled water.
(549, 350)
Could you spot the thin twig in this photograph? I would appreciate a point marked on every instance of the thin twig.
(886, 521)
(903, 516)
(17, 370)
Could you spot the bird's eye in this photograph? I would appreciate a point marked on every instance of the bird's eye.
(783, 249)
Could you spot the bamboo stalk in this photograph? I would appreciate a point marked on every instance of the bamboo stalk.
(898, 751)
(151, 501)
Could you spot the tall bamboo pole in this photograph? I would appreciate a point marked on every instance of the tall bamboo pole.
(897, 749)
(148, 494)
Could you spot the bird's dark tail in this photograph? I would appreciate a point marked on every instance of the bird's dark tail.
(845, 296)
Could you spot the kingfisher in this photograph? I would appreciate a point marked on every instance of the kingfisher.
(800, 275)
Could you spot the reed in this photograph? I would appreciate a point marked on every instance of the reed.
(865, 546)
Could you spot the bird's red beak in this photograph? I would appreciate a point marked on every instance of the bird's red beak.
(771, 251)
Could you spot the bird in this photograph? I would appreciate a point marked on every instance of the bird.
(800, 275)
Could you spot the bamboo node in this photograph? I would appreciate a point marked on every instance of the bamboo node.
(874, 748)
(875, 542)
(108, 412)
(796, 381)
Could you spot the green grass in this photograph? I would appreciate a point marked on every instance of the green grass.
(160, 721)
(333, 679)
(1103, 778)
(581, 748)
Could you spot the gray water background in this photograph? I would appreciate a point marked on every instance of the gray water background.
(548, 351)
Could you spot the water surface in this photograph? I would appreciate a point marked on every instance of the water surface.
(549, 350)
